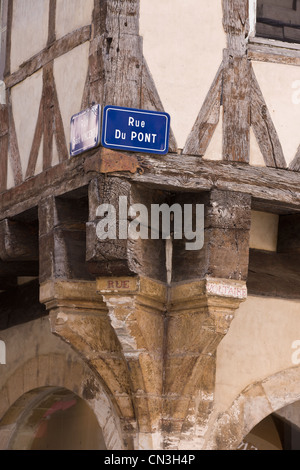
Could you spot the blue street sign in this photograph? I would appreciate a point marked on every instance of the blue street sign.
(135, 130)
(85, 130)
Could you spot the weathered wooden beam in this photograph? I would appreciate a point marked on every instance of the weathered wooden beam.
(58, 48)
(62, 239)
(264, 129)
(236, 108)
(277, 187)
(270, 51)
(8, 37)
(51, 22)
(236, 24)
(18, 241)
(48, 118)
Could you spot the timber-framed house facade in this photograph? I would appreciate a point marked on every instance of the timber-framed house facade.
(141, 343)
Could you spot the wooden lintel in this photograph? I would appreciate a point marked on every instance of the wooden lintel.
(170, 172)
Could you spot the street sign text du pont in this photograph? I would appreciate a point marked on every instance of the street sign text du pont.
(135, 130)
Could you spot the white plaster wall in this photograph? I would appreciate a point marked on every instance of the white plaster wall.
(72, 14)
(183, 45)
(25, 341)
(26, 97)
(264, 231)
(70, 72)
(10, 178)
(280, 85)
(29, 30)
(258, 344)
(256, 157)
(215, 148)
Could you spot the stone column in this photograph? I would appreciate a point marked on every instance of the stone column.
(137, 314)
(198, 317)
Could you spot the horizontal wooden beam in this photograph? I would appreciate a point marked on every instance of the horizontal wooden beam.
(268, 51)
(172, 172)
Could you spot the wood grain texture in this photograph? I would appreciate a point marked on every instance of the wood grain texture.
(62, 238)
(277, 187)
(271, 53)
(48, 115)
(236, 109)
(236, 24)
(8, 37)
(51, 22)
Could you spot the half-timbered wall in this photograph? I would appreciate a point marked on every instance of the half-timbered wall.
(46, 83)
(225, 318)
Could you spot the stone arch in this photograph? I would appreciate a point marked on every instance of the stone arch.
(254, 403)
(46, 373)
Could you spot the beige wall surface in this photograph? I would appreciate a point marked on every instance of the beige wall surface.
(70, 71)
(29, 30)
(72, 14)
(183, 46)
(26, 97)
(264, 231)
(29, 340)
(260, 343)
(280, 85)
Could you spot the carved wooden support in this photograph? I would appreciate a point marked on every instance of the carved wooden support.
(80, 318)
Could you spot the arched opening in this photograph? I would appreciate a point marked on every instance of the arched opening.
(278, 431)
(52, 418)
